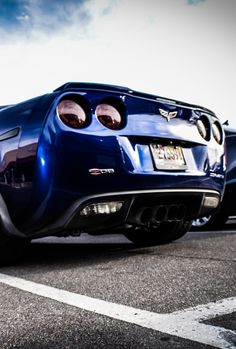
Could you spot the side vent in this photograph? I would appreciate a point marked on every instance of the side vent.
(10, 134)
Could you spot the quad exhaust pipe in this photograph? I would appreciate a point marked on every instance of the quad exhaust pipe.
(158, 214)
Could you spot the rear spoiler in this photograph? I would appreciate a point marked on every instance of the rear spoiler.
(68, 86)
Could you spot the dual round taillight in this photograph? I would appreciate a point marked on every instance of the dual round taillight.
(74, 112)
(207, 126)
(71, 113)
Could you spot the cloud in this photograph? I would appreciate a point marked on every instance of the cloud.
(27, 17)
(170, 47)
(10, 12)
(35, 19)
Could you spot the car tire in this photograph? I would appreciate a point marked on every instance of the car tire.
(214, 222)
(165, 233)
(11, 249)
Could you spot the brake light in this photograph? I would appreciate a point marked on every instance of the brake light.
(109, 116)
(217, 132)
(203, 126)
(71, 113)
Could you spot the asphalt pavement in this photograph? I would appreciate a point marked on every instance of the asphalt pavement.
(102, 292)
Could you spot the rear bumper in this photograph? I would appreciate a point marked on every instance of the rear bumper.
(139, 208)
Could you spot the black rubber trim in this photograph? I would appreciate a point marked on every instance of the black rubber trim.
(6, 223)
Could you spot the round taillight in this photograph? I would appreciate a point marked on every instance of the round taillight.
(203, 126)
(202, 129)
(71, 113)
(109, 116)
(217, 132)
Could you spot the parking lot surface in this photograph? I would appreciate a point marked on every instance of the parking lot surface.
(102, 292)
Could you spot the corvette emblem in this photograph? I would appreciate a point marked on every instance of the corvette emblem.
(168, 114)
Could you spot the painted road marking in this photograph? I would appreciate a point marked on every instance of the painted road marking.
(185, 324)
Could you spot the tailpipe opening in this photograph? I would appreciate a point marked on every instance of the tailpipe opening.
(145, 215)
(142, 216)
(172, 212)
(181, 212)
(176, 212)
(161, 214)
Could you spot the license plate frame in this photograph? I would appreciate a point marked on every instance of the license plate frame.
(168, 157)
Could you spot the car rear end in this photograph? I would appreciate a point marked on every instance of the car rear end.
(112, 157)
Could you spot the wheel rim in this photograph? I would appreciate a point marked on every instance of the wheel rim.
(201, 221)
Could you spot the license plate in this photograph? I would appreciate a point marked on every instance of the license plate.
(168, 157)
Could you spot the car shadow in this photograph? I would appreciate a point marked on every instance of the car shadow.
(66, 253)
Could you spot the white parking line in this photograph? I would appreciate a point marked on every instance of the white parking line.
(185, 324)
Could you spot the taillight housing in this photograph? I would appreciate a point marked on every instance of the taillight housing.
(111, 113)
(108, 116)
(72, 112)
(217, 132)
(204, 127)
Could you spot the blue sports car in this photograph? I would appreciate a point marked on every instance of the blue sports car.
(102, 159)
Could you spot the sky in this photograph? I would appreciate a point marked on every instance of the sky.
(179, 49)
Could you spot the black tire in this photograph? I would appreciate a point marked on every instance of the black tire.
(11, 249)
(162, 234)
(214, 222)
